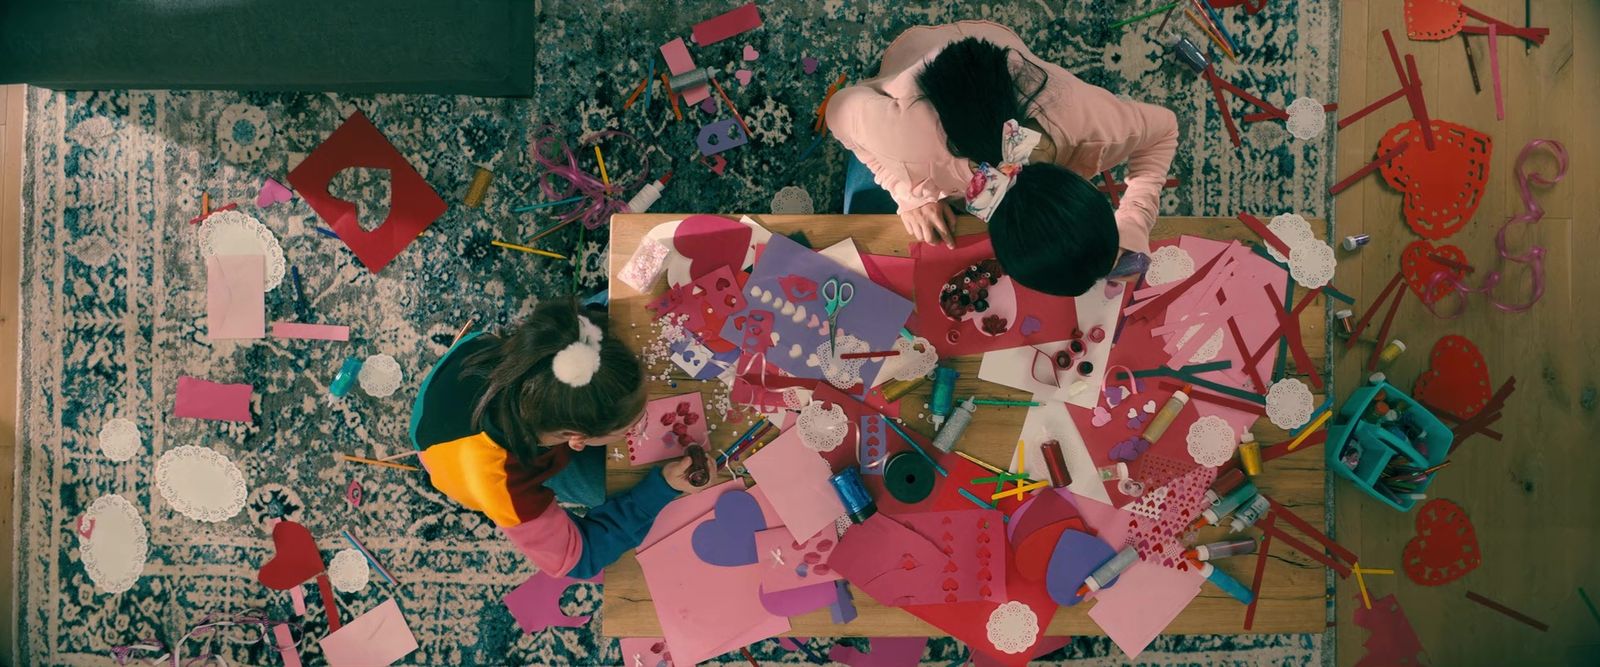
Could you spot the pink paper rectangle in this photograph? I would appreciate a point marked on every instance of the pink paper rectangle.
(728, 24)
(795, 479)
(785, 567)
(236, 296)
(297, 596)
(377, 638)
(284, 642)
(203, 399)
(305, 331)
(676, 53)
(1142, 603)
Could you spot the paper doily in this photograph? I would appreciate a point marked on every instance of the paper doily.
(822, 427)
(120, 439)
(645, 265)
(1169, 264)
(1207, 351)
(1289, 403)
(380, 375)
(1292, 229)
(349, 572)
(792, 200)
(200, 483)
(115, 551)
(1311, 264)
(917, 359)
(1013, 627)
(839, 372)
(1211, 441)
(1307, 120)
(235, 233)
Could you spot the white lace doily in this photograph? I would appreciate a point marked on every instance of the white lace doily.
(200, 483)
(1312, 264)
(380, 375)
(1292, 229)
(840, 372)
(117, 546)
(646, 264)
(916, 359)
(120, 439)
(792, 200)
(1013, 627)
(822, 427)
(1207, 350)
(1289, 403)
(1169, 264)
(1307, 120)
(349, 571)
(235, 233)
(1211, 441)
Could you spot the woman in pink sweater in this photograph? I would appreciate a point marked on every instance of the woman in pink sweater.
(966, 112)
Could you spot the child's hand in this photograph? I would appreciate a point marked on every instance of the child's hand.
(677, 475)
(931, 223)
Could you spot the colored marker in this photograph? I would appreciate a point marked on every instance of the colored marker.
(1109, 571)
(1226, 582)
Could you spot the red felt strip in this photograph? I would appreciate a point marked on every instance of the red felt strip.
(1112, 188)
(1419, 106)
(1386, 100)
(329, 603)
(1264, 115)
(1488, 415)
(1445, 414)
(1514, 614)
(1222, 104)
(1260, 228)
(1315, 554)
(1261, 104)
(1203, 394)
(1289, 325)
(1304, 527)
(1138, 310)
(1535, 35)
(1238, 339)
(1261, 571)
(1370, 167)
(1282, 449)
(1383, 331)
(1361, 324)
(1464, 268)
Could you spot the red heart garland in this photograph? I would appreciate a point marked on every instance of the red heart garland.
(1433, 20)
(1457, 379)
(1418, 266)
(1443, 186)
(1446, 546)
(295, 560)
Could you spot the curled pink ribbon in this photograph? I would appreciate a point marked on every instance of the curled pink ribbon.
(1533, 256)
(203, 631)
(600, 201)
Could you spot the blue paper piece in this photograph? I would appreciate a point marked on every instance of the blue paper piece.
(729, 538)
(1076, 556)
(843, 609)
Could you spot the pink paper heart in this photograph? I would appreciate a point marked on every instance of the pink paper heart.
(810, 64)
(1113, 289)
(709, 105)
(750, 53)
(85, 527)
(1101, 417)
(743, 76)
(273, 192)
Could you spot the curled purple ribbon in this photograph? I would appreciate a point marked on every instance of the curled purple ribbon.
(600, 201)
(202, 631)
(1533, 256)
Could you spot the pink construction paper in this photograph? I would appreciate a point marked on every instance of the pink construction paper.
(974, 542)
(377, 638)
(648, 651)
(728, 24)
(795, 480)
(236, 301)
(283, 640)
(303, 331)
(1143, 602)
(676, 53)
(669, 425)
(536, 604)
(890, 562)
(883, 652)
(202, 399)
(788, 564)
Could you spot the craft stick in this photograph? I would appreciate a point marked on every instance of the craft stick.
(522, 248)
(1261, 571)
(731, 109)
(1361, 324)
(1472, 64)
(604, 177)
(1371, 570)
(1346, 182)
(1326, 404)
(1279, 451)
(1238, 339)
(1304, 527)
(205, 204)
(1383, 331)
(1494, 72)
(1361, 582)
(1315, 424)
(1021, 457)
(870, 355)
(1260, 228)
(670, 96)
(1003, 477)
(1144, 16)
(1514, 614)
(975, 500)
(636, 91)
(982, 464)
(1019, 490)
(376, 462)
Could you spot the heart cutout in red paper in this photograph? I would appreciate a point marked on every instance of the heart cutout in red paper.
(1433, 20)
(1445, 548)
(1442, 187)
(1457, 379)
(295, 560)
(1418, 267)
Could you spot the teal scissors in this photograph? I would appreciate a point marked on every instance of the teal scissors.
(838, 294)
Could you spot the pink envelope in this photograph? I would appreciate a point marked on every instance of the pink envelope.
(795, 480)
(788, 564)
(686, 510)
(669, 425)
(201, 399)
(377, 638)
(236, 301)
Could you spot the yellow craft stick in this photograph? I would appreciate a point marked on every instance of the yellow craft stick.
(1365, 600)
(376, 462)
(1369, 570)
(1315, 424)
(602, 160)
(1020, 490)
(523, 248)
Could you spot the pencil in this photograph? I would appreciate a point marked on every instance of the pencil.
(548, 204)
(1215, 20)
(548, 230)
(976, 500)
(1315, 424)
(464, 329)
(870, 355)
(981, 464)
(1144, 16)
(604, 177)
(376, 462)
(523, 248)
(368, 555)
(1215, 39)
(938, 468)
(205, 204)
(635, 96)
(822, 109)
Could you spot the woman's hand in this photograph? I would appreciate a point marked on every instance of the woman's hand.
(677, 475)
(931, 223)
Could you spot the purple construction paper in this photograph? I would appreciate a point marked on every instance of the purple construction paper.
(1076, 557)
(729, 538)
(802, 600)
(874, 315)
(536, 604)
(886, 652)
(843, 609)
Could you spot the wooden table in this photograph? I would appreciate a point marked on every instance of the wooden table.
(1292, 594)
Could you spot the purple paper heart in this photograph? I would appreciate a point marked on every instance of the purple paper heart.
(1030, 325)
(1077, 555)
(810, 64)
(729, 538)
(1129, 449)
(1114, 395)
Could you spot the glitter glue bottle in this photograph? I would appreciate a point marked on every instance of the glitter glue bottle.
(1235, 547)
(648, 195)
(1163, 418)
(853, 495)
(1056, 464)
(345, 379)
(1107, 572)
(960, 418)
(944, 394)
(1392, 351)
(1226, 582)
(1248, 515)
(1228, 503)
(1250, 454)
(481, 176)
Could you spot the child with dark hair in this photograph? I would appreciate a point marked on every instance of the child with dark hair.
(499, 418)
(966, 112)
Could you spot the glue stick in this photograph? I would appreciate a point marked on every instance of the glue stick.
(960, 418)
(649, 195)
(1109, 571)
(1248, 515)
(1228, 503)
(1223, 549)
(1163, 419)
(345, 379)
(1226, 582)
(944, 394)
(893, 391)
(1250, 454)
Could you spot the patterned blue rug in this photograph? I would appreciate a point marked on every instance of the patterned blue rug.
(114, 301)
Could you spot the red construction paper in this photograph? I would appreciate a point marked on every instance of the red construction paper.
(1457, 379)
(935, 264)
(975, 544)
(1391, 642)
(899, 274)
(967, 621)
(413, 205)
(704, 304)
(1418, 263)
(1446, 546)
(295, 558)
(889, 561)
(731, 23)
(1433, 20)
(1443, 184)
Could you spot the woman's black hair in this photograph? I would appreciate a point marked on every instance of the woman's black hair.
(523, 397)
(1053, 231)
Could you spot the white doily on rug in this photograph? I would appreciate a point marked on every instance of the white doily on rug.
(120, 439)
(235, 233)
(115, 551)
(1292, 229)
(200, 483)
(1211, 441)
(1169, 264)
(1207, 350)
(1013, 627)
(1307, 120)
(1312, 264)
(1289, 403)
(792, 200)
(349, 571)
(380, 375)
(822, 427)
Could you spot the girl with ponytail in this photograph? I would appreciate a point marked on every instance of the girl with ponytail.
(965, 112)
(500, 417)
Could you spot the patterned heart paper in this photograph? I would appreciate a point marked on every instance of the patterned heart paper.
(1445, 548)
(1457, 379)
(1418, 268)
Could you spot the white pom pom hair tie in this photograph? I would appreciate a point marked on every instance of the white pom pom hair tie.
(577, 363)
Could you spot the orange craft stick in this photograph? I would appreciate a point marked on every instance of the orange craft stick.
(637, 89)
(671, 96)
(822, 109)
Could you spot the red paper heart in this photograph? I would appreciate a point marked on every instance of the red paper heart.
(1445, 548)
(1443, 186)
(296, 559)
(950, 566)
(950, 584)
(1433, 20)
(1419, 267)
(1457, 379)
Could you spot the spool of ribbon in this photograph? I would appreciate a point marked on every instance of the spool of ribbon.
(1533, 256)
(600, 200)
